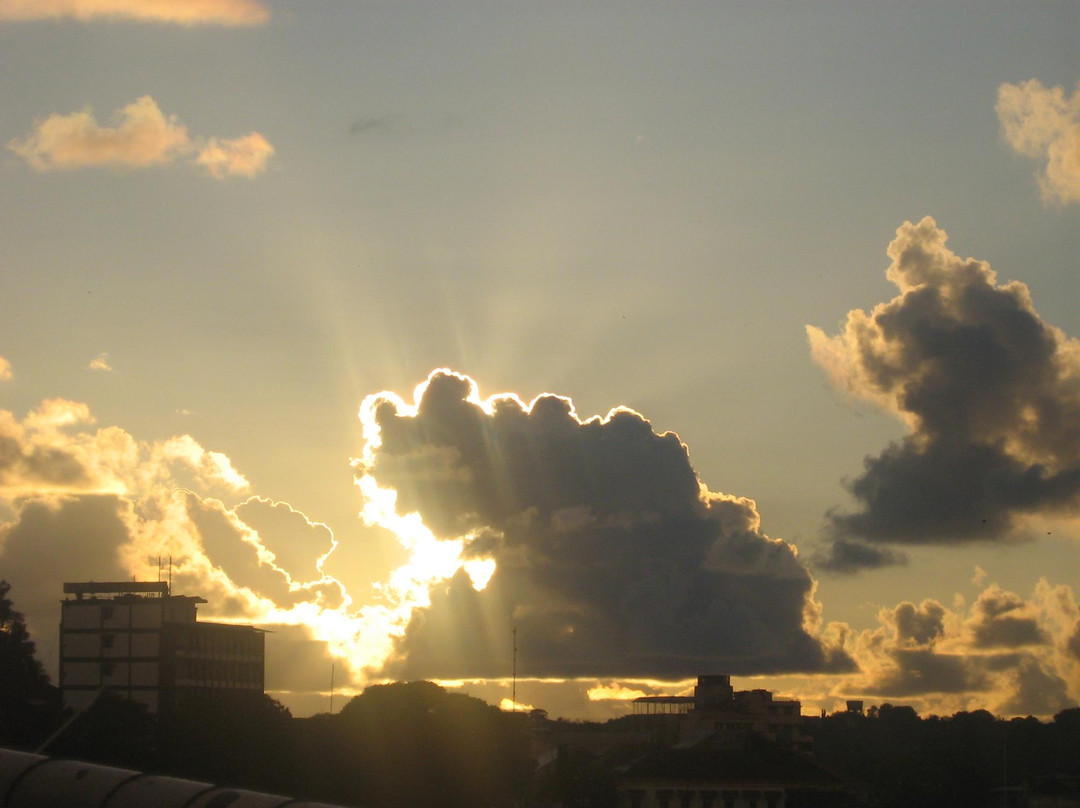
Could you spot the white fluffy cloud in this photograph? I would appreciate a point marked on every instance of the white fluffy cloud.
(183, 12)
(140, 136)
(1044, 123)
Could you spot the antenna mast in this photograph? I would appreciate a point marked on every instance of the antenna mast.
(331, 688)
(513, 689)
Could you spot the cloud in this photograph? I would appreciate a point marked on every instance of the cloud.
(100, 362)
(605, 550)
(1006, 653)
(240, 157)
(614, 692)
(989, 392)
(1044, 123)
(5, 369)
(847, 557)
(183, 12)
(141, 136)
(81, 502)
(373, 123)
(1004, 620)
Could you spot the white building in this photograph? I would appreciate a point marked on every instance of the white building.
(141, 642)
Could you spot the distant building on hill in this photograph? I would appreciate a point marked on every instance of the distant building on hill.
(730, 716)
(139, 641)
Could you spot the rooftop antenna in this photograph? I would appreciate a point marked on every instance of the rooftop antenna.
(513, 688)
(170, 573)
(331, 688)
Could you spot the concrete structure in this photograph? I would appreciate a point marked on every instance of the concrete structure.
(139, 641)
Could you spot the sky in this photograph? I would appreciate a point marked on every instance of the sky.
(648, 341)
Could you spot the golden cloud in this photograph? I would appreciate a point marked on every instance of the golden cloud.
(182, 12)
(990, 655)
(5, 369)
(140, 136)
(1044, 123)
(100, 362)
(240, 157)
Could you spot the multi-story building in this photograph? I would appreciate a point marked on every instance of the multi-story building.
(138, 640)
(729, 715)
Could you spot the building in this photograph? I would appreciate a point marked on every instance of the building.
(138, 640)
(729, 716)
(761, 774)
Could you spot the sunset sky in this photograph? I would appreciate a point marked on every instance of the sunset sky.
(760, 323)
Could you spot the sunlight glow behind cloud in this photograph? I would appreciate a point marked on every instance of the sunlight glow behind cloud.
(183, 12)
(614, 692)
(78, 501)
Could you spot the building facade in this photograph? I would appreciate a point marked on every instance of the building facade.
(732, 716)
(139, 641)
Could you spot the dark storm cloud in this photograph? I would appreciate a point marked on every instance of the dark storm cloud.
(990, 393)
(612, 558)
(846, 556)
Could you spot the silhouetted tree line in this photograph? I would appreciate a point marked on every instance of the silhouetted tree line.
(29, 705)
(409, 744)
(905, 760)
(403, 744)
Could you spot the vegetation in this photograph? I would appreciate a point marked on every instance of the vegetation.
(29, 705)
(904, 760)
(414, 743)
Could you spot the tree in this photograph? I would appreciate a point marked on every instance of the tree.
(28, 703)
(228, 737)
(414, 743)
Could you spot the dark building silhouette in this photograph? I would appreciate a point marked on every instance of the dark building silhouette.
(140, 641)
(729, 716)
